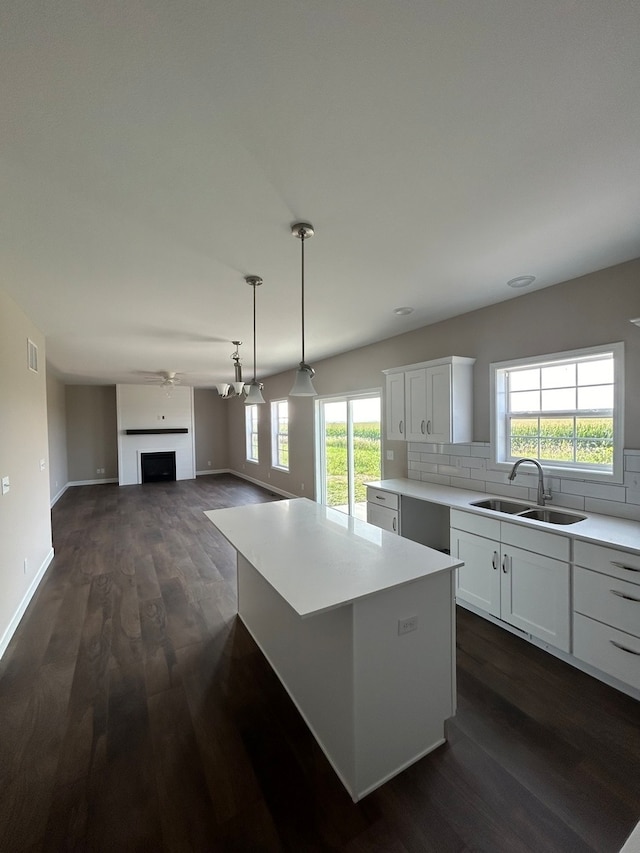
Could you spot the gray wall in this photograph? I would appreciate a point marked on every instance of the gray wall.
(210, 415)
(92, 438)
(25, 519)
(593, 309)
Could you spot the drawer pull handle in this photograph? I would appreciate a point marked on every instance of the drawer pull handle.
(623, 595)
(379, 498)
(626, 568)
(624, 648)
(494, 560)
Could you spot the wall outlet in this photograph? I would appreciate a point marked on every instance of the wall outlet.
(6, 485)
(209, 463)
(43, 464)
(405, 626)
(390, 455)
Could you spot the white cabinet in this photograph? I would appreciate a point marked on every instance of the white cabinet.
(383, 509)
(524, 584)
(606, 603)
(394, 407)
(431, 401)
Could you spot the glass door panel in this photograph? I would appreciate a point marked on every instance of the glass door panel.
(348, 452)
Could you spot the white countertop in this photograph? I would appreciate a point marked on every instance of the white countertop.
(600, 529)
(317, 558)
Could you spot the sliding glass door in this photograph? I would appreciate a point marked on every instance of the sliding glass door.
(348, 450)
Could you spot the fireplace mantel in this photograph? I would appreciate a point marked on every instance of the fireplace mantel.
(156, 431)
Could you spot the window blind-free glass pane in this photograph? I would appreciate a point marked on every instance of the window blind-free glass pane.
(595, 372)
(595, 397)
(525, 401)
(559, 400)
(524, 380)
(558, 376)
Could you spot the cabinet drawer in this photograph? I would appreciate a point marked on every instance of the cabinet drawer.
(478, 524)
(609, 600)
(608, 649)
(382, 517)
(380, 498)
(611, 561)
(538, 541)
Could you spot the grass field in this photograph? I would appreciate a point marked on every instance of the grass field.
(366, 461)
(586, 440)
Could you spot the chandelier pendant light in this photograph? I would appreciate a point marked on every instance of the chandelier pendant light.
(303, 386)
(233, 389)
(254, 394)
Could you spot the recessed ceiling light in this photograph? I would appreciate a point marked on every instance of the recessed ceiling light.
(404, 309)
(522, 281)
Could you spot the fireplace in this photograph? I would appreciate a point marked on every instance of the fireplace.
(158, 467)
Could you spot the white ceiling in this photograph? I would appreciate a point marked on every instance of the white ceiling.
(155, 152)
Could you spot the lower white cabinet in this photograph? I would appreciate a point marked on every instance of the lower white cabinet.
(527, 587)
(383, 509)
(606, 602)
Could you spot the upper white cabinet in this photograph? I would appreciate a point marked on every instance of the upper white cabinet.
(431, 401)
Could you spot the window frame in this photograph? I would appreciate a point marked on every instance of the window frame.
(498, 393)
(251, 422)
(276, 434)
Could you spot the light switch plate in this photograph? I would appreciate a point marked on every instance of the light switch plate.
(5, 485)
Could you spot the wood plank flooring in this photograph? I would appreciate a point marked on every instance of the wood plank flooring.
(136, 714)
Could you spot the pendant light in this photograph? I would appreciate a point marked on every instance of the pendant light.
(254, 394)
(233, 389)
(303, 386)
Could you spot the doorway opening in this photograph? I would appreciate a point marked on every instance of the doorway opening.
(348, 450)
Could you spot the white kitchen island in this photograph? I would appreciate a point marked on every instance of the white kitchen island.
(326, 596)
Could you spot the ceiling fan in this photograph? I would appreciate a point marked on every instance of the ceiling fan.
(167, 379)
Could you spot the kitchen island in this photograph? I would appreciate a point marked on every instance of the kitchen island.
(359, 626)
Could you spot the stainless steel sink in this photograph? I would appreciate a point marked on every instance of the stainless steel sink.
(552, 516)
(499, 505)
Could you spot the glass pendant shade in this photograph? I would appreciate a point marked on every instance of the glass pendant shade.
(237, 387)
(255, 394)
(303, 386)
(223, 388)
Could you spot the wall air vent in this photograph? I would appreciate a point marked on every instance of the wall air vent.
(32, 355)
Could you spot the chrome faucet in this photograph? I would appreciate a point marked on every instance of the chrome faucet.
(542, 495)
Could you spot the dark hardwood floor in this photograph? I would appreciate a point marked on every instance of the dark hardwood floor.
(136, 713)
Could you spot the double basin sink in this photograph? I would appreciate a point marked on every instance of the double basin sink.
(537, 513)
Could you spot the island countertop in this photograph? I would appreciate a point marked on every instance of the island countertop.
(318, 558)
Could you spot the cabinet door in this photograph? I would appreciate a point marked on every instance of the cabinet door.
(438, 403)
(534, 595)
(478, 581)
(394, 407)
(415, 390)
(383, 517)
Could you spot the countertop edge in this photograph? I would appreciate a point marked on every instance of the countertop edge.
(612, 532)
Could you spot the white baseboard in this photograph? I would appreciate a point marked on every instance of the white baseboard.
(17, 616)
(213, 471)
(92, 482)
(268, 486)
(56, 498)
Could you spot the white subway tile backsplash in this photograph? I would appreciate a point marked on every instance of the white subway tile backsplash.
(594, 490)
(465, 483)
(436, 478)
(633, 496)
(631, 461)
(456, 449)
(480, 449)
(620, 510)
(464, 466)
